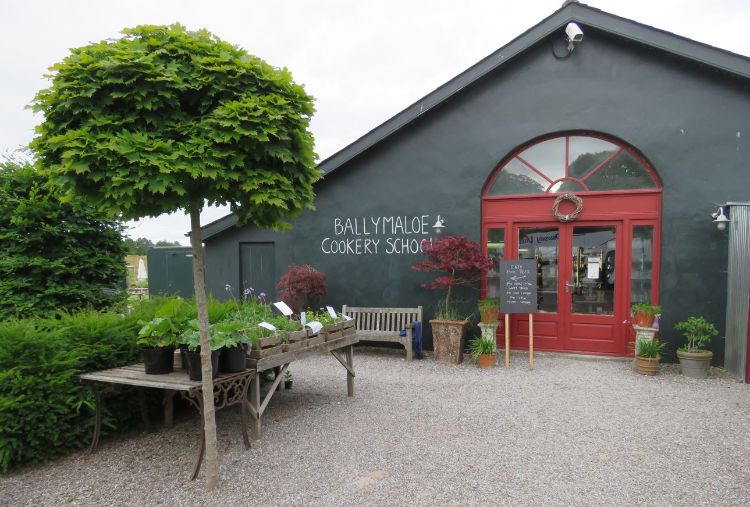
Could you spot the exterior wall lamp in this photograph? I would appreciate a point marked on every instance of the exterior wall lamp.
(439, 225)
(720, 218)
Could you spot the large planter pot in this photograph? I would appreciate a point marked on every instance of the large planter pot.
(486, 360)
(647, 365)
(158, 360)
(194, 364)
(695, 364)
(448, 340)
(233, 359)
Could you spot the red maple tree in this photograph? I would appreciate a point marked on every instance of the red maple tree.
(459, 261)
(302, 286)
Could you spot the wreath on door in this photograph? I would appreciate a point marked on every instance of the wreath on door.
(577, 202)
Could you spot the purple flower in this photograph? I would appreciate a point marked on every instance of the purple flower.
(262, 294)
(246, 292)
(228, 288)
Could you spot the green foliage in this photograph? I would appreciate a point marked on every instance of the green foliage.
(649, 348)
(698, 332)
(645, 308)
(44, 410)
(479, 346)
(158, 332)
(54, 255)
(165, 118)
(489, 304)
(140, 246)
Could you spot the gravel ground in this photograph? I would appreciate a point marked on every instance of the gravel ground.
(574, 431)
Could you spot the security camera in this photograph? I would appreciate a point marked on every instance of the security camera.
(574, 32)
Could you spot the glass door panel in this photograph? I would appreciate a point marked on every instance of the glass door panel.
(592, 284)
(641, 264)
(496, 251)
(542, 245)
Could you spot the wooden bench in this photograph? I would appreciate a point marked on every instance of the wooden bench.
(385, 324)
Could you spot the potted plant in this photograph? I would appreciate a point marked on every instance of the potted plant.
(694, 358)
(457, 261)
(191, 343)
(644, 314)
(231, 340)
(483, 352)
(488, 310)
(158, 338)
(647, 356)
(302, 286)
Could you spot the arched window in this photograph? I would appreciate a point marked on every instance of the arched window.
(572, 163)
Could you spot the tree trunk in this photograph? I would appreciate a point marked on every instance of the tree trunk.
(209, 414)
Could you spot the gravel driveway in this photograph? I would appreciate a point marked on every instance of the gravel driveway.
(574, 431)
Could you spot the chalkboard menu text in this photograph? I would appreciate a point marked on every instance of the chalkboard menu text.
(518, 286)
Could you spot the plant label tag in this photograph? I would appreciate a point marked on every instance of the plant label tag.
(346, 317)
(303, 318)
(267, 325)
(283, 308)
(315, 326)
(331, 312)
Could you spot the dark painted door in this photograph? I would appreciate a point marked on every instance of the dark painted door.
(257, 269)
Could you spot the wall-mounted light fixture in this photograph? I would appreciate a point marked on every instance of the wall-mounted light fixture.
(720, 218)
(439, 225)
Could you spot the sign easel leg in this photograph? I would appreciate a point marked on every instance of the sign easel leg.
(531, 341)
(507, 340)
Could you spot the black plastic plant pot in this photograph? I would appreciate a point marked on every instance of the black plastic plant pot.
(158, 360)
(194, 364)
(233, 359)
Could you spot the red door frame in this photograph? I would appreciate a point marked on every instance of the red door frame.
(638, 207)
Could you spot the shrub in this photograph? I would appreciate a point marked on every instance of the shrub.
(458, 261)
(698, 332)
(54, 254)
(302, 287)
(44, 410)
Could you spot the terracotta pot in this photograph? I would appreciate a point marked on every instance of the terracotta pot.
(647, 365)
(695, 364)
(489, 315)
(486, 360)
(643, 319)
(448, 340)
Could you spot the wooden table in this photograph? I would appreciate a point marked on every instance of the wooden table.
(229, 389)
(341, 349)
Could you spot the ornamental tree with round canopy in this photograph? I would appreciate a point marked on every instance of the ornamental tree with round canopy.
(165, 119)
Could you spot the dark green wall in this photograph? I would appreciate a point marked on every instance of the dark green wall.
(683, 117)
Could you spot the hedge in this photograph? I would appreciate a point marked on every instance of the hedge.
(45, 411)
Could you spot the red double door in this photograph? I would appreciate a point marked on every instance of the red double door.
(588, 271)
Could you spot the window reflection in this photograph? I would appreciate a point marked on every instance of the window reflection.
(585, 153)
(641, 268)
(496, 251)
(541, 244)
(517, 178)
(616, 168)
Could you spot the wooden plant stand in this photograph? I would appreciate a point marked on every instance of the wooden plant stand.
(341, 349)
(229, 390)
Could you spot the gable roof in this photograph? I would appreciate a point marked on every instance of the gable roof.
(587, 16)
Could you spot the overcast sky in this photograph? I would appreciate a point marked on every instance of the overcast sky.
(363, 61)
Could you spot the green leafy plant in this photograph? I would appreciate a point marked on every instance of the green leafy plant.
(45, 411)
(480, 346)
(489, 304)
(56, 253)
(646, 308)
(158, 332)
(698, 332)
(649, 348)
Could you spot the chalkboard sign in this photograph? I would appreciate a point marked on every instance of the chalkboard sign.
(518, 286)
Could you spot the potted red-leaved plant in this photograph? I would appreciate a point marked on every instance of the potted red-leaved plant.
(302, 287)
(458, 261)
